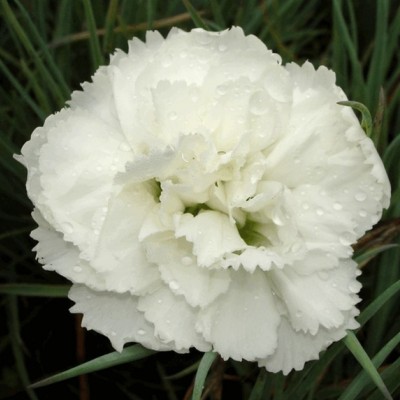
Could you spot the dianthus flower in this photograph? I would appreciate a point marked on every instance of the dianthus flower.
(198, 193)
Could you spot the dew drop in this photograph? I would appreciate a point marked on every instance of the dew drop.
(124, 147)
(88, 297)
(68, 228)
(167, 321)
(360, 196)
(319, 211)
(222, 47)
(346, 239)
(354, 287)
(141, 332)
(113, 333)
(256, 297)
(305, 206)
(172, 116)
(99, 168)
(298, 314)
(296, 160)
(337, 206)
(77, 269)
(222, 89)
(334, 285)
(362, 213)
(187, 260)
(173, 285)
(258, 104)
(159, 301)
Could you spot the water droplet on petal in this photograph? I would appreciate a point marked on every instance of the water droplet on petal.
(159, 301)
(222, 89)
(334, 284)
(67, 227)
(258, 103)
(319, 211)
(113, 333)
(172, 116)
(173, 285)
(360, 196)
(222, 47)
(305, 206)
(77, 269)
(346, 239)
(124, 147)
(337, 206)
(362, 213)
(141, 332)
(354, 287)
(298, 314)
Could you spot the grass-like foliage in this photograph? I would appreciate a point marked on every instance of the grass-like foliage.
(47, 48)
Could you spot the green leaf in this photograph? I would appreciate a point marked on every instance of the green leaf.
(34, 290)
(132, 353)
(258, 392)
(358, 384)
(359, 353)
(378, 303)
(204, 367)
(198, 21)
(97, 56)
(366, 256)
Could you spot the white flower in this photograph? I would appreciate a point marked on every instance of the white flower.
(200, 194)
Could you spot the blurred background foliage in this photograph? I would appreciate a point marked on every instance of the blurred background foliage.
(47, 48)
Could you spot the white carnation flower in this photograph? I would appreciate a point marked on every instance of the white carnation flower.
(200, 194)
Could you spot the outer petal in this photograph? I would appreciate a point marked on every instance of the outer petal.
(200, 286)
(173, 319)
(318, 299)
(243, 322)
(295, 348)
(115, 316)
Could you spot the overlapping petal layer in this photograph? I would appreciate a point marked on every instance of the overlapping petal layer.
(200, 194)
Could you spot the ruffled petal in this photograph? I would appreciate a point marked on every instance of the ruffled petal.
(115, 316)
(161, 308)
(243, 322)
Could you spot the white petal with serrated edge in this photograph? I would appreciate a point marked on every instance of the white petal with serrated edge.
(178, 267)
(319, 299)
(295, 348)
(119, 256)
(63, 257)
(243, 322)
(174, 320)
(212, 235)
(115, 316)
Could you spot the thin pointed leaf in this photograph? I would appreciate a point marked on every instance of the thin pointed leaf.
(34, 290)
(359, 353)
(198, 21)
(204, 367)
(129, 354)
(258, 392)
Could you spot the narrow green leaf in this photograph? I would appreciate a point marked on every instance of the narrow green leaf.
(15, 338)
(358, 384)
(97, 56)
(359, 353)
(366, 120)
(185, 372)
(34, 290)
(258, 392)
(204, 367)
(129, 354)
(378, 303)
(111, 17)
(366, 256)
(27, 43)
(198, 21)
